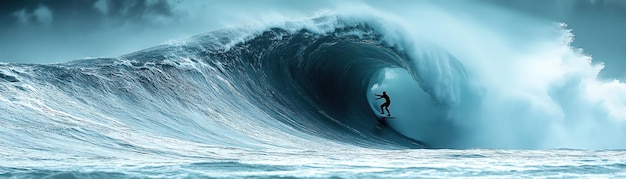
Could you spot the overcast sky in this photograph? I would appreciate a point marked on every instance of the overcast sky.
(59, 30)
(49, 31)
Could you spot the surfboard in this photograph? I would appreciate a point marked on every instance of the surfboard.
(386, 117)
(382, 120)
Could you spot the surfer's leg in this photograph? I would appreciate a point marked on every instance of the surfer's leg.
(382, 111)
(388, 113)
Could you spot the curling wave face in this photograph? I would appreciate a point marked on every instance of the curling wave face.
(279, 89)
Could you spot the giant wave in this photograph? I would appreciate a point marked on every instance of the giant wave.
(290, 89)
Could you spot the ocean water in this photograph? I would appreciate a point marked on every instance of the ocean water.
(346, 162)
(474, 95)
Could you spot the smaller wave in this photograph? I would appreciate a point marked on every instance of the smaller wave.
(8, 78)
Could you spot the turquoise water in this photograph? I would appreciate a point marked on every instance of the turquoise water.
(335, 162)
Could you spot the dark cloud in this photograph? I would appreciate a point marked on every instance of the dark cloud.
(615, 7)
(136, 11)
(563, 9)
(61, 30)
(85, 11)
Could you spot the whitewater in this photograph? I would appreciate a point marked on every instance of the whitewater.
(474, 95)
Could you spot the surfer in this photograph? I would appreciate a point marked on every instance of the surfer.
(386, 104)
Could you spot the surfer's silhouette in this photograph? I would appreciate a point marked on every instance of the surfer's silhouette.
(386, 104)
